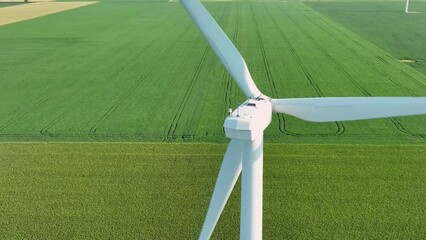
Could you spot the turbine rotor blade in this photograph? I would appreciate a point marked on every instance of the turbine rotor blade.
(223, 47)
(228, 176)
(349, 108)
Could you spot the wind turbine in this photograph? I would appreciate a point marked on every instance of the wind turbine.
(246, 124)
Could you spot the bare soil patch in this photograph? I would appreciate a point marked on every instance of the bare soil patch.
(36, 9)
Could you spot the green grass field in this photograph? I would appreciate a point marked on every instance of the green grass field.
(111, 121)
(79, 75)
(8, 4)
(152, 191)
(388, 27)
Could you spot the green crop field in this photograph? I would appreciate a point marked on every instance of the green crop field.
(90, 75)
(148, 191)
(8, 4)
(111, 120)
(398, 33)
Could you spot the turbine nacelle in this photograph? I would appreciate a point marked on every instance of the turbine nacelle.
(249, 120)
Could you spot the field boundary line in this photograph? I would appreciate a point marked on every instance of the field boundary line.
(23, 12)
(205, 143)
(178, 154)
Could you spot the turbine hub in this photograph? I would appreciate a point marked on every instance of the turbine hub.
(249, 120)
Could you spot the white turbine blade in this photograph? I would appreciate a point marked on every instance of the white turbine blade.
(228, 176)
(225, 50)
(349, 108)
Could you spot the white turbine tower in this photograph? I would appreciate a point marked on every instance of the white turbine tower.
(406, 5)
(246, 124)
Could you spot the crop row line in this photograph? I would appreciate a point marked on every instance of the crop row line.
(423, 85)
(100, 85)
(36, 104)
(394, 121)
(282, 126)
(39, 102)
(367, 60)
(329, 57)
(137, 84)
(65, 42)
(129, 90)
(264, 58)
(171, 132)
(281, 118)
(228, 78)
(173, 126)
(401, 71)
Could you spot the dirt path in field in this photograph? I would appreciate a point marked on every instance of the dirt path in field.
(23, 12)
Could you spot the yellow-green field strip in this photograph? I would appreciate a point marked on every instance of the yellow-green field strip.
(23, 12)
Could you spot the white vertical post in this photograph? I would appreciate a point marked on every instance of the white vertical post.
(252, 190)
(406, 6)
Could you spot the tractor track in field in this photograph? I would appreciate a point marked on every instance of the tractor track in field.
(171, 130)
(173, 126)
(44, 131)
(32, 107)
(422, 84)
(265, 61)
(296, 56)
(230, 80)
(370, 63)
(329, 57)
(100, 85)
(403, 129)
(135, 86)
(226, 76)
(69, 42)
(399, 126)
(129, 90)
(281, 118)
